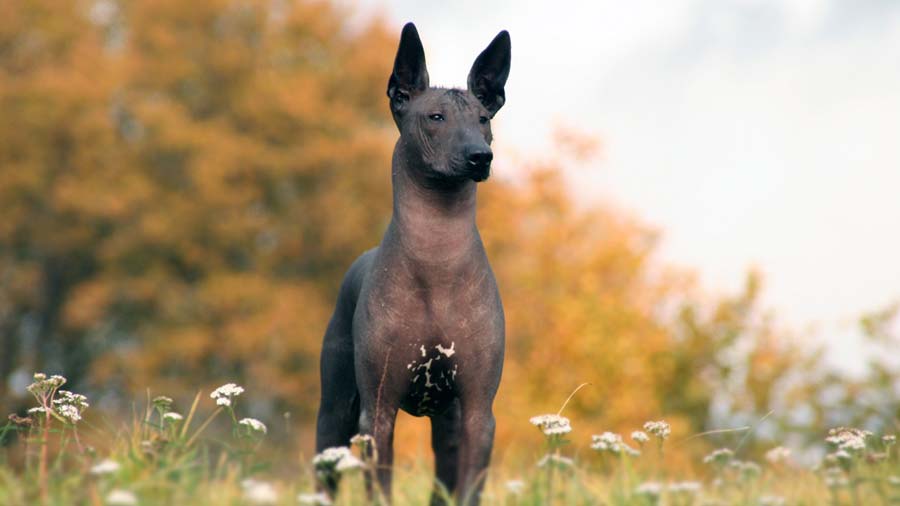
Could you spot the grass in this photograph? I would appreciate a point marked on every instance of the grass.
(167, 458)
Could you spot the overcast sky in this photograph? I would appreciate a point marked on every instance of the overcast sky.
(752, 133)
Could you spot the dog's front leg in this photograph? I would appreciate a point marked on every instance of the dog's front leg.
(379, 420)
(475, 451)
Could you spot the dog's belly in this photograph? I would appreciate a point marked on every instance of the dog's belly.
(431, 379)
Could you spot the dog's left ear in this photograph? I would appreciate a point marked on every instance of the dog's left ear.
(489, 72)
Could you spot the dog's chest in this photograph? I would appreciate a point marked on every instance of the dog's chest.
(431, 370)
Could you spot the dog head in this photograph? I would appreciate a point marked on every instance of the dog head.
(447, 132)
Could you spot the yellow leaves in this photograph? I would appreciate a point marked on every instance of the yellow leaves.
(87, 304)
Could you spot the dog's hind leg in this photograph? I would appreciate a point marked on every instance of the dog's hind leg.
(338, 418)
(339, 407)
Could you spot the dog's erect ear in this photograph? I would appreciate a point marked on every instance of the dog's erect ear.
(489, 72)
(410, 77)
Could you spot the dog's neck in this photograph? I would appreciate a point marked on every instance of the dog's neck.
(434, 223)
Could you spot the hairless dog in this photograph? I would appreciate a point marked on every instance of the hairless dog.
(418, 324)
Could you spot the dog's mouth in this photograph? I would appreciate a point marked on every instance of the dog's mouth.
(478, 172)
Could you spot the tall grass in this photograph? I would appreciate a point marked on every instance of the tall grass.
(168, 458)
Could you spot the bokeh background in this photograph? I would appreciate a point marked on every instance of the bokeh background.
(694, 205)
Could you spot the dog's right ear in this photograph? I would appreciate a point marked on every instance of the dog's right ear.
(410, 77)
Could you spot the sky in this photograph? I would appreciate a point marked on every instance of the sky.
(751, 133)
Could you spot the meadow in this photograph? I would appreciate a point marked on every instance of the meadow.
(166, 457)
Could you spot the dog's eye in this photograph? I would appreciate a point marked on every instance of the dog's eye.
(436, 117)
(483, 120)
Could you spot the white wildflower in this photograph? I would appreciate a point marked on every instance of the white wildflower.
(331, 456)
(172, 417)
(778, 455)
(259, 492)
(226, 393)
(842, 455)
(119, 497)
(660, 429)
(319, 499)
(555, 460)
(69, 412)
(348, 463)
(254, 425)
(650, 489)
(69, 405)
(162, 402)
(552, 425)
(889, 440)
(43, 385)
(67, 397)
(720, 457)
(685, 487)
(613, 443)
(37, 410)
(515, 487)
(848, 439)
(747, 470)
(640, 437)
(105, 466)
(835, 478)
(362, 441)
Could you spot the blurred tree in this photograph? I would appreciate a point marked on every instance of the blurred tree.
(182, 183)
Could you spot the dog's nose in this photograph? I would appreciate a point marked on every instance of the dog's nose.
(480, 157)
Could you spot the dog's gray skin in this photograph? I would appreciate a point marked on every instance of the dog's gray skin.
(419, 324)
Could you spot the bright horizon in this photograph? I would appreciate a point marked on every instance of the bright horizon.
(751, 133)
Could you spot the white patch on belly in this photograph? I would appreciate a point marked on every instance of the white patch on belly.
(446, 351)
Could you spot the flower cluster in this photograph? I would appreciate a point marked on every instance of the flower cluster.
(70, 406)
(719, 457)
(105, 466)
(253, 425)
(225, 394)
(554, 460)
(778, 455)
(43, 385)
(120, 497)
(364, 442)
(652, 490)
(317, 499)
(515, 487)
(685, 487)
(162, 403)
(649, 489)
(329, 457)
(847, 439)
(336, 459)
(746, 470)
(612, 443)
(660, 429)
(552, 425)
(259, 492)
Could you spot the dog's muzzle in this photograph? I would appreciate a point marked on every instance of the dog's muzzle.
(478, 164)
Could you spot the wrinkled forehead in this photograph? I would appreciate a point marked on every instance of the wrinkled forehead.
(444, 99)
